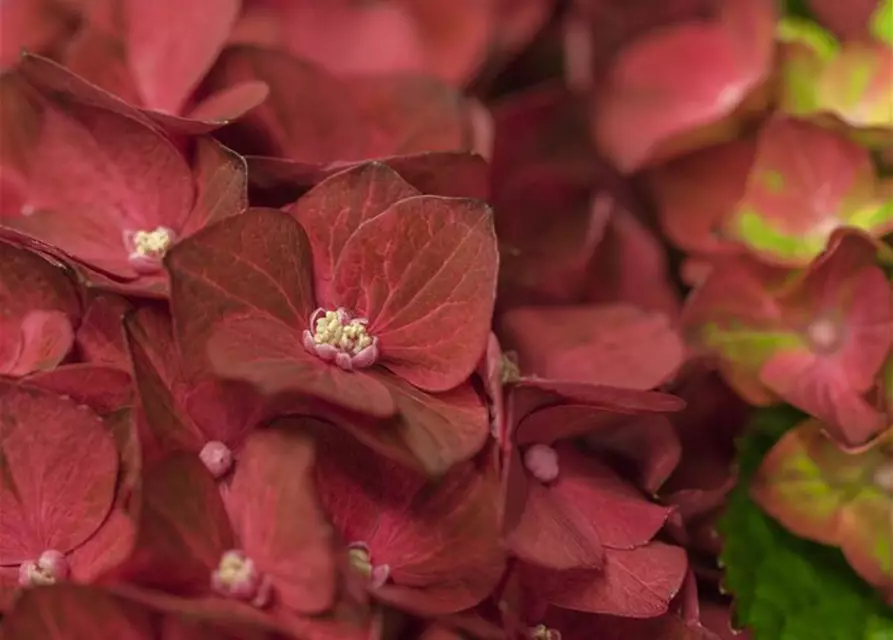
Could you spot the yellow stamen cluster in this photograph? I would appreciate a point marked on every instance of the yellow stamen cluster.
(350, 338)
(152, 244)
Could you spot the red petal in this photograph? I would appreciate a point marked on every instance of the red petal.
(429, 298)
(221, 179)
(182, 529)
(104, 389)
(639, 583)
(412, 114)
(106, 549)
(53, 79)
(631, 267)
(305, 116)
(615, 345)
(33, 25)
(438, 430)
(825, 392)
(67, 611)
(45, 338)
(100, 338)
(96, 57)
(60, 472)
(271, 356)
(169, 62)
(31, 285)
(103, 174)
(333, 211)
(439, 538)
(281, 526)
(231, 103)
(646, 105)
(256, 263)
(697, 193)
(588, 506)
(453, 174)
(155, 371)
(646, 442)
(542, 530)
(849, 21)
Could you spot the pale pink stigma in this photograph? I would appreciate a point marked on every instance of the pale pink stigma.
(823, 334)
(338, 337)
(238, 577)
(542, 461)
(49, 568)
(361, 560)
(217, 457)
(542, 632)
(146, 249)
(883, 477)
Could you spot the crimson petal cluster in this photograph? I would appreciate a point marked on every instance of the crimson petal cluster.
(333, 322)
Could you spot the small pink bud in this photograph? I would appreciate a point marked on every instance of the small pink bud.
(49, 568)
(542, 462)
(217, 457)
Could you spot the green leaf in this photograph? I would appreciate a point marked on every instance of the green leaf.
(787, 588)
(882, 22)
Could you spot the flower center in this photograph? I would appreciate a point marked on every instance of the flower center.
(542, 632)
(361, 560)
(48, 569)
(336, 336)
(148, 248)
(883, 477)
(238, 577)
(509, 371)
(542, 462)
(217, 457)
(823, 334)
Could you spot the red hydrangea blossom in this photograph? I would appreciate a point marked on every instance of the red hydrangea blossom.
(113, 194)
(123, 54)
(266, 553)
(578, 527)
(328, 304)
(450, 40)
(430, 547)
(818, 339)
(209, 418)
(63, 489)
